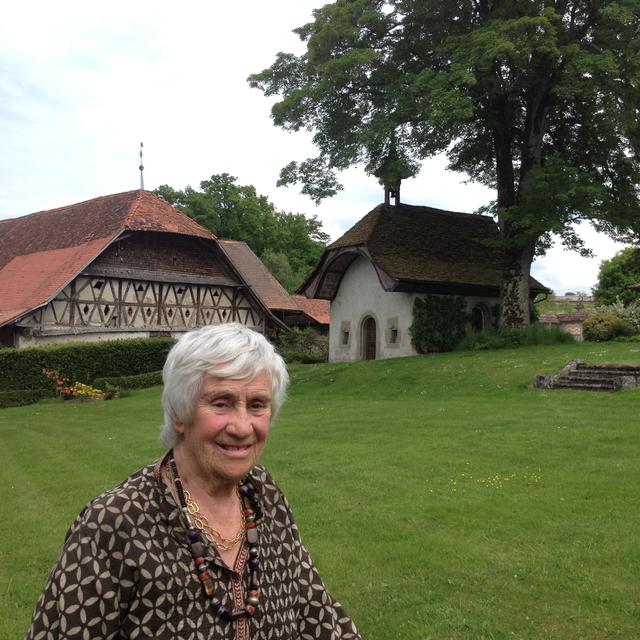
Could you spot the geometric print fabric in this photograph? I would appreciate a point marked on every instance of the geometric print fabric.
(126, 571)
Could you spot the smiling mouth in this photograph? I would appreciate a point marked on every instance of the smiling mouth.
(228, 447)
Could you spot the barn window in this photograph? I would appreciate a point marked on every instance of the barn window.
(345, 337)
(170, 312)
(393, 336)
(148, 312)
(140, 287)
(106, 308)
(187, 313)
(129, 311)
(85, 309)
(179, 290)
(98, 284)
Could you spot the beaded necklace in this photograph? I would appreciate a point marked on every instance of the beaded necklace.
(194, 538)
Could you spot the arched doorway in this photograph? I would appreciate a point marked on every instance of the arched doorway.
(477, 318)
(369, 339)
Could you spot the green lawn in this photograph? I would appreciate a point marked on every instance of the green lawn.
(441, 497)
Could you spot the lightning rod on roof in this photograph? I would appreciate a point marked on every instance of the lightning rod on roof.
(141, 169)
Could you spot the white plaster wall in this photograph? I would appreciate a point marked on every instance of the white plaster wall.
(361, 295)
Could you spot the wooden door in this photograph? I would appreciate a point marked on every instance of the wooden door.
(369, 330)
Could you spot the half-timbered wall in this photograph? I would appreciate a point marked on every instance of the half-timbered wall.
(135, 304)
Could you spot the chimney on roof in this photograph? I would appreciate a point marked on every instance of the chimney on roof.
(141, 170)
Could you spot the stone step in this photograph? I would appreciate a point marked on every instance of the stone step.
(586, 385)
(589, 377)
(618, 370)
(588, 374)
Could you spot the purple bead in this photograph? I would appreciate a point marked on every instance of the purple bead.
(246, 489)
(254, 562)
(193, 535)
(222, 611)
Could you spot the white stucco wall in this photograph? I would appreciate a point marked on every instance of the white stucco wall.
(360, 296)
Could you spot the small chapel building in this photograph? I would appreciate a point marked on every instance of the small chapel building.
(119, 266)
(396, 253)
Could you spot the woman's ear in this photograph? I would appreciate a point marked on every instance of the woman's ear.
(178, 426)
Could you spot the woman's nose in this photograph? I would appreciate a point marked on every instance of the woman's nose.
(240, 421)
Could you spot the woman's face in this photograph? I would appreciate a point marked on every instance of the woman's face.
(228, 430)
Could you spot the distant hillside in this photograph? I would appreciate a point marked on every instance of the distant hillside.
(564, 304)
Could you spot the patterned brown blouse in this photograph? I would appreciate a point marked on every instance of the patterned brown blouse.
(126, 572)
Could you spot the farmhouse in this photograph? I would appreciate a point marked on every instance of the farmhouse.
(118, 266)
(375, 271)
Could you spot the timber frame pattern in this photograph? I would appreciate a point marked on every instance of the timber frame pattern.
(89, 304)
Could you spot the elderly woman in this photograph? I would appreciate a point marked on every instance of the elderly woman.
(202, 543)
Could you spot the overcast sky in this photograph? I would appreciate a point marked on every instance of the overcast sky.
(83, 83)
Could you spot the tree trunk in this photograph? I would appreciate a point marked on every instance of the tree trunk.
(517, 264)
(520, 242)
(515, 287)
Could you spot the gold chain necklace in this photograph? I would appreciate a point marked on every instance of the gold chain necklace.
(214, 536)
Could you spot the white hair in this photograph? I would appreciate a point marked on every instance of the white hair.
(229, 350)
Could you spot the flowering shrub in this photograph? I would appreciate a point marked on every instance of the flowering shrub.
(86, 391)
(64, 389)
(629, 313)
(605, 325)
(60, 383)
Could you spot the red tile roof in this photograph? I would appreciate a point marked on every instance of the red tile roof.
(318, 310)
(259, 278)
(41, 252)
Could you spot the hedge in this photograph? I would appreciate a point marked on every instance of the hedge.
(22, 397)
(139, 381)
(22, 368)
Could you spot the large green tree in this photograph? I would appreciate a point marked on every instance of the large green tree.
(616, 276)
(535, 98)
(289, 243)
